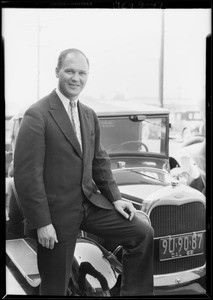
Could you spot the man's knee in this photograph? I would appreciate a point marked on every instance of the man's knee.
(144, 231)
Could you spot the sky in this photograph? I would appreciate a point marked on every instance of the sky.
(123, 47)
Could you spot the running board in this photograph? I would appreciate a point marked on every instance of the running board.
(12, 285)
(25, 259)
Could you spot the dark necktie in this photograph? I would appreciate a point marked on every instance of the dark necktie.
(73, 113)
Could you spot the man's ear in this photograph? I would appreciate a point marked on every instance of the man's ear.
(56, 72)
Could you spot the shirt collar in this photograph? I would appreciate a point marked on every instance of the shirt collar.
(64, 99)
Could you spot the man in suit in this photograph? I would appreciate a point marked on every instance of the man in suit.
(58, 164)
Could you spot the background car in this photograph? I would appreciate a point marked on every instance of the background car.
(186, 124)
(8, 147)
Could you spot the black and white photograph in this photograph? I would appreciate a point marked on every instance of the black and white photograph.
(106, 178)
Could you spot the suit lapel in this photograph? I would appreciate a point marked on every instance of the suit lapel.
(85, 129)
(62, 119)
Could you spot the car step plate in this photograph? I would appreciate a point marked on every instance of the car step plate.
(25, 259)
(12, 285)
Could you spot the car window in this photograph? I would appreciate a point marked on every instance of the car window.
(123, 135)
(197, 116)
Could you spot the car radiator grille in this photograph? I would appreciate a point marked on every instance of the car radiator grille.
(171, 220)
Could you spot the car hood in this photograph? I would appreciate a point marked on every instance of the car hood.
(140, 191)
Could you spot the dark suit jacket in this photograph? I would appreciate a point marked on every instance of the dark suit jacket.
(51, 175)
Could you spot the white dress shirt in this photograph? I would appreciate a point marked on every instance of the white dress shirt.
(66, 102)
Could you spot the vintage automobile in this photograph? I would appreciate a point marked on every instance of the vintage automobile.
(137, 140)
(186, 124)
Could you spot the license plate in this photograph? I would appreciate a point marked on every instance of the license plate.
(177, 246)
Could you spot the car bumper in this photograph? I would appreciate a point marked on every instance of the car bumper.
(191, 289)
(183, 277)
(187, 281)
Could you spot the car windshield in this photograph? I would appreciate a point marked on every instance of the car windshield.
(134, 134)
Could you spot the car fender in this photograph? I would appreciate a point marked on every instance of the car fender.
(92, 273)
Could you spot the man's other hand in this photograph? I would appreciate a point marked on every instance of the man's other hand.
(47, 236)
(125, 208)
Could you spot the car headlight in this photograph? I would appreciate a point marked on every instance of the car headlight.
(181, 175)
(143, 216)
(184, 177)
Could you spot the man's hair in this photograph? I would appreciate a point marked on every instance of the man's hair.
(64, 54)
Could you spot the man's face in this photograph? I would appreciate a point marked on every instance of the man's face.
(72, 76)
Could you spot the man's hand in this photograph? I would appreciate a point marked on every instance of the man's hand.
(47, 236)
(125, 208)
